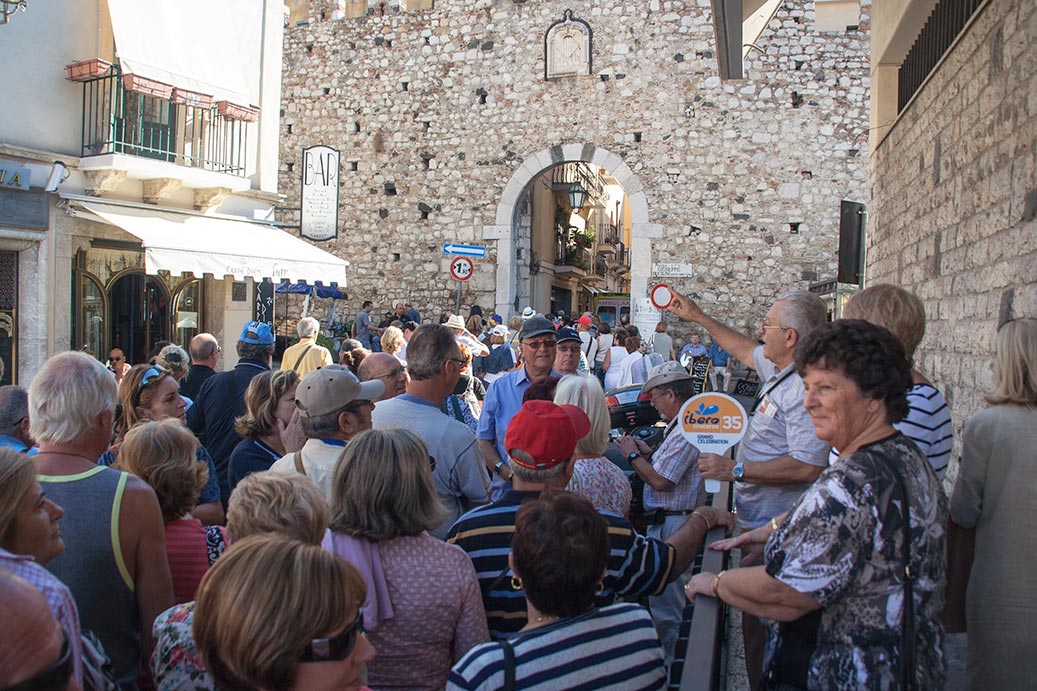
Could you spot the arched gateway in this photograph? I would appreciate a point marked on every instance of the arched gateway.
(510, 269)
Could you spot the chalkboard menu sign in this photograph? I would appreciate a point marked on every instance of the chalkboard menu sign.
(699, 374)
(263, 307)
(747, 387)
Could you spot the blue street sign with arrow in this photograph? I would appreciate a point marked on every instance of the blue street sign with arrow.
(465, 250)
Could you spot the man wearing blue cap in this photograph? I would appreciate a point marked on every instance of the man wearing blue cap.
(222, 398)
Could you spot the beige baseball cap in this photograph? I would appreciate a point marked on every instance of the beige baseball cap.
(662, 374)
(332, 388)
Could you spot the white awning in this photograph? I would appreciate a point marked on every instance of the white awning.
(185, 242)
(213, 48)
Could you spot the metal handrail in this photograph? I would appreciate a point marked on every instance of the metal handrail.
(702, 667)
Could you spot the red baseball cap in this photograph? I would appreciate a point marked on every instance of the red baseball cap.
(585, 320)
(548, 433)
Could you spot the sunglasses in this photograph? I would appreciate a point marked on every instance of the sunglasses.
(393, 373)
(539, 345)
(353, 408)
(334, 648)
(54, 676)
(151, 376)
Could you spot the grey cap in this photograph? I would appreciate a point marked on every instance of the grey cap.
(332, 388)
(665, 373)
(534, 326)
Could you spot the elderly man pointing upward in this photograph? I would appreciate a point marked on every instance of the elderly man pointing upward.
(780, 455)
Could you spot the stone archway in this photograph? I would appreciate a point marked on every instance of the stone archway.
(504, 228)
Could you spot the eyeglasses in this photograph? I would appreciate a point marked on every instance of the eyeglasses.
(355, 407)
(151, 376)
(334, 648)
(54, 676)
(540, 345)
(459, 361)
(393, 373)
(768, 326)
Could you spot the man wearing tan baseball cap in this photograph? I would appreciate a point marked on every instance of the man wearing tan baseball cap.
(334, 406)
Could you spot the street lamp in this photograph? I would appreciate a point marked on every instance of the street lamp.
(577, 195)
(8, 7)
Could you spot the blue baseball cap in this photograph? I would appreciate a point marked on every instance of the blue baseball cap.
(257, 333)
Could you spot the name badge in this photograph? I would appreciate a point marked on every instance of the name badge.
(766, 408)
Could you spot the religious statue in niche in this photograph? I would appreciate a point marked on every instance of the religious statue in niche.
(567, 48)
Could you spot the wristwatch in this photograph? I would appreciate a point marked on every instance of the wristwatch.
(739, 470)
(632, 455)
(497, 468)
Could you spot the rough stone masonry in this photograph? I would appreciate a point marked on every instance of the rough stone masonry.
(436, 110)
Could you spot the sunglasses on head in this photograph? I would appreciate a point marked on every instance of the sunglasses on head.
(54, 676)
(334, 648)
(150, 377)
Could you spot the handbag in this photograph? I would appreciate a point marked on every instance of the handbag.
(961, 550)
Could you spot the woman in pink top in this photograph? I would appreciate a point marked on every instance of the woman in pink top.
(163, 455)
(423, 609)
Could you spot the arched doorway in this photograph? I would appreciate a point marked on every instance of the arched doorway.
(512, 215)
(138, 313)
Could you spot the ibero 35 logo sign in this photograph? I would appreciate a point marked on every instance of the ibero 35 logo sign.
(713, 421)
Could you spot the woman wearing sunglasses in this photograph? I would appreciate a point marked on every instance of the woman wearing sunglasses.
(423, 606)
(279, 615)
(149, 392)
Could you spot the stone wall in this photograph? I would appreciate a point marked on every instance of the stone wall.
(955, 198)
(435, 111)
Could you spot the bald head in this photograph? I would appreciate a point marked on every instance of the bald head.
(32, 637)
(204, 350)
(387, 368)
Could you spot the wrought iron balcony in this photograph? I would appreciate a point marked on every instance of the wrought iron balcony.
(568, 174)
(117, 120)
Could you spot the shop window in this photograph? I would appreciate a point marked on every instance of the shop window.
(187, 311)
(8, 318)
(93, 317)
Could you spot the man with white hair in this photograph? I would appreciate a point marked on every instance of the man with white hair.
(306, 356)
(115, 561)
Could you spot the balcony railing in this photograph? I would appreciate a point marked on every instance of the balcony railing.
(116, 120)
(568, 174)
(608, 234)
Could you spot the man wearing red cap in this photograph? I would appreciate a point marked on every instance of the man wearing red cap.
(541, 440)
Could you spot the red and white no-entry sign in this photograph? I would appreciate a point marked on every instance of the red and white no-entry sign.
(462, 268)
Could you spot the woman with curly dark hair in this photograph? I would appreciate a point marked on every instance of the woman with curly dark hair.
(854, 573)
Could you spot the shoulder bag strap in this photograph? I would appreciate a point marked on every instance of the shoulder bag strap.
(296, 365)
(299, 468)
(907, 616)
(509, 666)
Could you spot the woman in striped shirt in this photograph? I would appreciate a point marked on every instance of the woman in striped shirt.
(559, 555)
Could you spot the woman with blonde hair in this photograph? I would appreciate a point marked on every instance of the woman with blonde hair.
(594, 476)
(30, 537)
(150, 392)
(263, 503)
(269, 406)
(280, 615)
(928, 421)
(996, 494)
(163, 454)
(392, 341)
(424, 608)
(175, 359)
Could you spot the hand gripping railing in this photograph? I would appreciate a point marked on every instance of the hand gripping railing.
(702, 668)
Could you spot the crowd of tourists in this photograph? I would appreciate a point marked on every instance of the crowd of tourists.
(441, 508)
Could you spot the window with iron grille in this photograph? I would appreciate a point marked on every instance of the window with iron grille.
(8, 318)
(947, 20)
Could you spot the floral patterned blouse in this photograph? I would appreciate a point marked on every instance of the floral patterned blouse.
(601, 481)
(175, 665)
(841, 546)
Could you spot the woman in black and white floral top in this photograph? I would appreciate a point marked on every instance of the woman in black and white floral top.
(835, 563)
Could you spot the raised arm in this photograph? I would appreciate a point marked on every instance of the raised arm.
(739, 345)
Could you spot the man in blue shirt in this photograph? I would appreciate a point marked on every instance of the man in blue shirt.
(504, 397)
(720, 359)
(14, 420)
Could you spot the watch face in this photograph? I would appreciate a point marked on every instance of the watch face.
(632, 456)
(739, 471)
